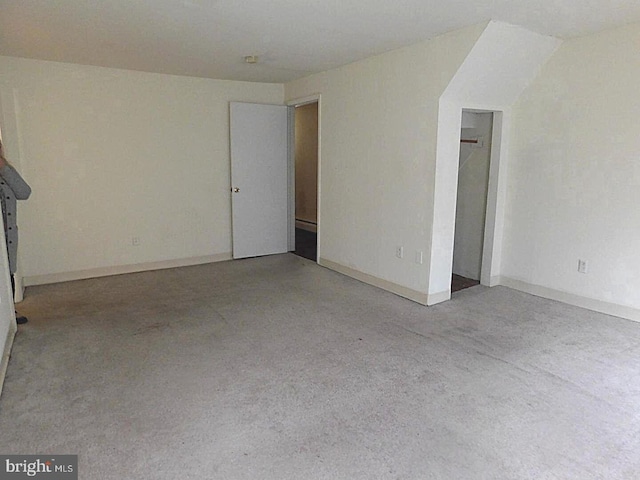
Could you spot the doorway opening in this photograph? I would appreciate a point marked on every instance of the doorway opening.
(305, 162)
(471, 206)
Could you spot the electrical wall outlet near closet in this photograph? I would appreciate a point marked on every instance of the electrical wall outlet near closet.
(583, 266)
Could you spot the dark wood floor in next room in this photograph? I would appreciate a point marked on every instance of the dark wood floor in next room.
(460, 283)
(306, 244)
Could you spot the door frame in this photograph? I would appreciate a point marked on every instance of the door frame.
(445, 195)
(292, 104)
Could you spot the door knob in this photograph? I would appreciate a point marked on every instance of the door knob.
(235, 189)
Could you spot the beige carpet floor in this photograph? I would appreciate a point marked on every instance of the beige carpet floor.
(275, 368)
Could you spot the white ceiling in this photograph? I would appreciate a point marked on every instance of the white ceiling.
(293, 38)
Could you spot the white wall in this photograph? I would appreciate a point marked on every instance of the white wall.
(471, 204)
(574, 175)
(379, 125)
(114, 154)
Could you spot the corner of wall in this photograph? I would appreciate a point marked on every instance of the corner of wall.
(6, 352)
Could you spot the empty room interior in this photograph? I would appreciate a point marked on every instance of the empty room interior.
(322, 240)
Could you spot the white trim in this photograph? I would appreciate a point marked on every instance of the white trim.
(6, 353)
(19, 294)
(434, 298)
(298, 102)
(121, 269)
(496, 188)
(596, 305)
(319, 179)
(419, 297)
(291, 178)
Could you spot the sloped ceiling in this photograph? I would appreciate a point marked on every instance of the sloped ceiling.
(293, 38)
(496, 71)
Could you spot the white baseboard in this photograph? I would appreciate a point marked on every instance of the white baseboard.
(120, 269)
(308, 226)
(434, 298)
(6, 353)
(405, 292)
(601, 306)
(19, 293)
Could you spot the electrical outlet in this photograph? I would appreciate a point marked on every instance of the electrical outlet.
(583, 266)
(419, 257)
(135, 241)
(399, 252)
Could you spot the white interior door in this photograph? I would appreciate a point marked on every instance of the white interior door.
(259, 181)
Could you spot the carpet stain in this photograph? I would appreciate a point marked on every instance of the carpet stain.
(152, 327)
